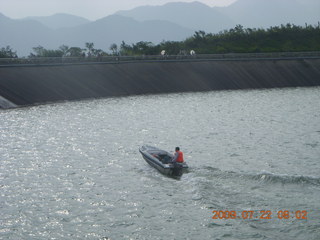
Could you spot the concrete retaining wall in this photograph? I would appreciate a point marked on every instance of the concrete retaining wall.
(28, 85)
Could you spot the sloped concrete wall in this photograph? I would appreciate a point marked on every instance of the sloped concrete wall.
(28, 85)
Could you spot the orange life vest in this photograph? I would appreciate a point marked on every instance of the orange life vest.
(180, 157)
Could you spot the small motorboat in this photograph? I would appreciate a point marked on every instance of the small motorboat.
(161, 160)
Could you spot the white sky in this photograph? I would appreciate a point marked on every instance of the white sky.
(90, 9)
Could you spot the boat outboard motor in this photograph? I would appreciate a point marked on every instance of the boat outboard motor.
(177, 169)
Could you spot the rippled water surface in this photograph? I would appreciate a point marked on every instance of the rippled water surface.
(73, 170)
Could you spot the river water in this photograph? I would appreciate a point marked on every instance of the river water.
(73, 170)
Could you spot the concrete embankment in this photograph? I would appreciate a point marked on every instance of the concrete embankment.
(28, 85)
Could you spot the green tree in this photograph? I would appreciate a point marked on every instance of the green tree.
(90, 48)
(125, 49)
(42, 52)
(114, 49)
(99, 53)
(75, 52)
(64, 49)
(143, 48)
(7, 52)
(171, 47)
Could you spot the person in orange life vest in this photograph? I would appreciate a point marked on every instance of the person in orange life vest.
(178, 156)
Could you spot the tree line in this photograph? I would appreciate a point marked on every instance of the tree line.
(283, 38)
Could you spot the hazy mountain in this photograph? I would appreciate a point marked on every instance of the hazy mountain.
(311, 10)
(115, 28)
(266, 13)
(315, 3)
(61, 20)
(249, 13)
(194, 15)
(23, 35)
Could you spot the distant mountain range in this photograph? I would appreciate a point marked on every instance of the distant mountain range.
(60, 20)
(195, 15)
(170, 22)
(266, 13)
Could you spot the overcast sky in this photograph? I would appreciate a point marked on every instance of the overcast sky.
(91, 9)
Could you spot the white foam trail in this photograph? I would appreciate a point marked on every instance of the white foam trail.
(5, 103)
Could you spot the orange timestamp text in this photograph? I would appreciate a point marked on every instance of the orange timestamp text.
(260, 214)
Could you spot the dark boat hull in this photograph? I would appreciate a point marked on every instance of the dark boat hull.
(161, 160)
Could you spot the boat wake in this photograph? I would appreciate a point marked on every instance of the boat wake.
(262, 177)
(286, 179)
